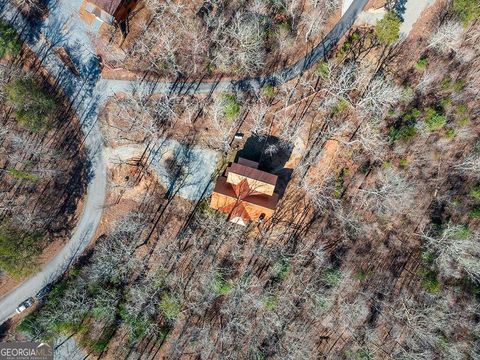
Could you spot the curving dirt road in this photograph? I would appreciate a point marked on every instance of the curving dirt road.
(64, 28)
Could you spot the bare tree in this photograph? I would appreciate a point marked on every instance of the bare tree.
(391, 195)
(447, 38)
(422, 321)
(425, 323)
(457, 251)
(370, 138)
(114, 255)
(470, 165)
(160, 47)
(381, 94)
(28, 5)
(321, 193)
(258, 113)
(428, 80)
(242, 47)
(315, 19)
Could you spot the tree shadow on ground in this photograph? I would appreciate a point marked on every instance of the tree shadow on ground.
(4, 328)
(38, 13)
(272, 154)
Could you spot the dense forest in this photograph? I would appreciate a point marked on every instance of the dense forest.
(217, 37)
(42, 167)
(374, 248)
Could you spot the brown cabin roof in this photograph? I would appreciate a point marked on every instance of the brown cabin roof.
(224, 188)
(245, 193)
(110, 6)
(252, 173)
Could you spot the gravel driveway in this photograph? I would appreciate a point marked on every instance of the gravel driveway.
(196, 165)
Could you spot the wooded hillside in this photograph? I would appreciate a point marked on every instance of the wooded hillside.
(42, 168)
(374, 249)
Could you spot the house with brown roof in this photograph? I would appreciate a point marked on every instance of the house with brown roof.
(245, 193)
(110, 11)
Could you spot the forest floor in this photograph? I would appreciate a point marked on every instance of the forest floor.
(125, 68)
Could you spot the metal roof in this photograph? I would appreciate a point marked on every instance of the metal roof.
(110, 6)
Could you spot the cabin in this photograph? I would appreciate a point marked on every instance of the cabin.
(110, 11)
(245, 193)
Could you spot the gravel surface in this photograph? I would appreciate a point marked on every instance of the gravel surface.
(413, 10)
(197, 165)
(410, 13)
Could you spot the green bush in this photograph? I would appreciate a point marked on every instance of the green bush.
(464, 121)
(205, 211)
(362, 274)
(270, 302)
(459, 85)
(463, 233)
(366, 168)
(388, 28)
(221, 286)
(475, 213)
(428, 257)
(268, 91)
(163, 334)
(466, 10)
(22, 175)
(31, 103)
(27, 325)
(323, 302)
(170, 306)
(362, 354)
(322, 70)
(137, 325)
(340, 182)
(403, 163)
(446, 83)
(211, 67)
(434, 120)
(280, 270)
(475, 192)
(405, 133)
(65, 327)
(99, 313)
(405, 129)
(446, 102)
(429, 280)
(340, 106)
(9, 42)
(284, 26)
(332, 277)
(462, 109)
(346, 46)
(413, 114)
(256, 354)
(19, 250)
(472, 287)
(422, 64)
(230, 106)
(99, 345)
(451, 133)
